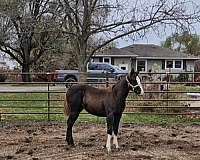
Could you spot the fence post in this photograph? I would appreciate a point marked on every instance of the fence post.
(107, 80)
(168, 80)
(48, 102)
(193, 76)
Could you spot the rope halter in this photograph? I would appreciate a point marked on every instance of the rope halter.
(129, 84)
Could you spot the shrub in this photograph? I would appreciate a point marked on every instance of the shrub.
(182, 77)
(3, 77)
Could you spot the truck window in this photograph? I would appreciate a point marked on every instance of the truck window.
(100, 67)
(105, 67)
(92, 66)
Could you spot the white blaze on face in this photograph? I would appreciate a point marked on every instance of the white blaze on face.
(108, 144)
(140, 85)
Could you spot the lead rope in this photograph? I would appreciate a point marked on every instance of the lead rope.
(129, 84)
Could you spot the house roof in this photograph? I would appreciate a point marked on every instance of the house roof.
(155, 51)
(115, 52)
(146, 51)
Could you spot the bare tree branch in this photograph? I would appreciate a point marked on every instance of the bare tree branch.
(11, 55)
(99, 18)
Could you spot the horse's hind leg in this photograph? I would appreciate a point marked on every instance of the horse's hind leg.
(75, 103)
(70, 122)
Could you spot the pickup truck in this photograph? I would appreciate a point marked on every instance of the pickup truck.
(96, 72)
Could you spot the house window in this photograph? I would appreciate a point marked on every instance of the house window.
(141, 65)
(107, 60)
(178, 64)
(174, 64)
(169, 64)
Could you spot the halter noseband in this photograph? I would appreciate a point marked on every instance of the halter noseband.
(129, 84)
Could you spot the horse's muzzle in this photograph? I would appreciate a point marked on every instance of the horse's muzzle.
(139, 91)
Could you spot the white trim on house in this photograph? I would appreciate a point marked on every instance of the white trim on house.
(171, 58)
(136, 56)
(145, 70)
(114, 55)
(107, 58)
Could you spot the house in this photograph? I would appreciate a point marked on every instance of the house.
(116, 56)
(6, 62)
(144, 57)
(3, 64)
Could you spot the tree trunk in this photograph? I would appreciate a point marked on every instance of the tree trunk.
(83, 72)
(82, 61)
(26, 49)
(26, 77)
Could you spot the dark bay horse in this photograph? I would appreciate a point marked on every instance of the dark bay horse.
(109, 103)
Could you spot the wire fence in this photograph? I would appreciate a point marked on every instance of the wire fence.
(165, 95)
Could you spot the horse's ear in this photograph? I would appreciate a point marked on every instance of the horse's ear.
(133, 73)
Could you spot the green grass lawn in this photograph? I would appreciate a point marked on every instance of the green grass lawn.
(38, 104)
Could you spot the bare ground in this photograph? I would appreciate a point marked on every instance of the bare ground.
(37, 141)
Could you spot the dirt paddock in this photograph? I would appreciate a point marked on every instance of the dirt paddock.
(37, 141)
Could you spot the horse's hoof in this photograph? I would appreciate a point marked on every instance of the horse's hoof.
(71, 145)
(70, 142)
(109, 150)
(118, 148)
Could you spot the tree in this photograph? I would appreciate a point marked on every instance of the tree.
(26, 28)
(183, 42)
(107, 21)
(57, 57)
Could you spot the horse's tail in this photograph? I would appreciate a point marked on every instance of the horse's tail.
(66, 106)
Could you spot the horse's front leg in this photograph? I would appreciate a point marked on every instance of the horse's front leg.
(109, 119)
(115, 128)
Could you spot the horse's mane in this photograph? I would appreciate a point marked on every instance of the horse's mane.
(117, 84)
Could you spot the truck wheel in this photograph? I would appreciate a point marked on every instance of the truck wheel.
(69, 82)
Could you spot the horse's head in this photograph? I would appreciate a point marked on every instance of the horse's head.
(134, 82)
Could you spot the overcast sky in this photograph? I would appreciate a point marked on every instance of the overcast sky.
(151, 38)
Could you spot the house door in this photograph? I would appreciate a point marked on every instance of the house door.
(123, 66)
